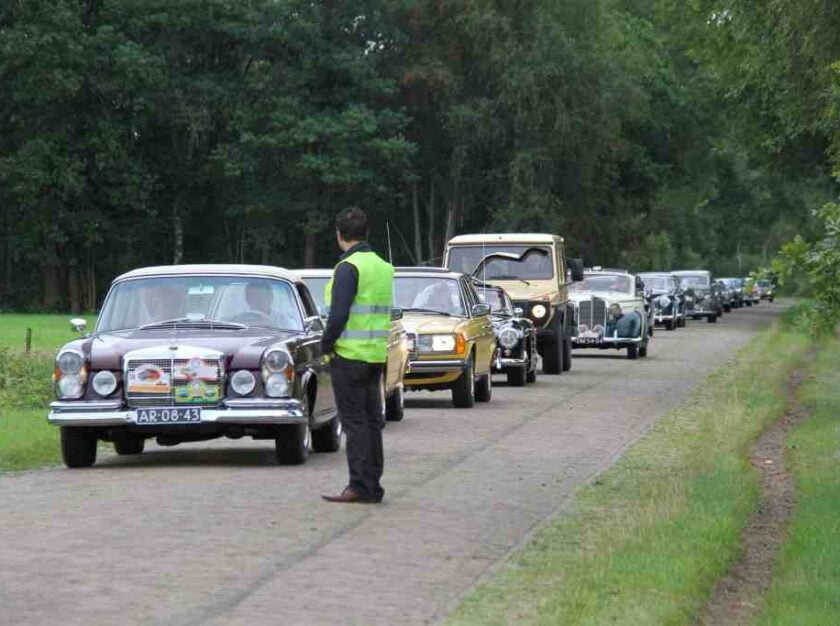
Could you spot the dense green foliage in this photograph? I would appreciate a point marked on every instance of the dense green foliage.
(652, 133)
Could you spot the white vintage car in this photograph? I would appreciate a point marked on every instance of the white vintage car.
(612, 311)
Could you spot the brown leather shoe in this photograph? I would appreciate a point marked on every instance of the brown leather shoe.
(348, 496)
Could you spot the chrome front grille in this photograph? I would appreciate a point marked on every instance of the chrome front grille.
(591, 313)
(174, 382)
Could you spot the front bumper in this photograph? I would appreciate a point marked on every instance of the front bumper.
(659, 318)
(431, 367)
(235, 411)
(503, 363)
(604, 342)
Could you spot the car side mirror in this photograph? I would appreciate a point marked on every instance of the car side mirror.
(78, 324)
(480, 309)
(518, 311)
(396, 314)
(314, 324)
(576, 267)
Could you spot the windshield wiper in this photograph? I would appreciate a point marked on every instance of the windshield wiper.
(417, 310)
(194, 322)
(509, 278)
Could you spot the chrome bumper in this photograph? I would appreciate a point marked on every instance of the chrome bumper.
(240, 411)
(661, 318)
(451, 365)
(502, 363)
(606, 342)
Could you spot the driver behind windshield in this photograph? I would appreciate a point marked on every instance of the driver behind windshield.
(437, 297)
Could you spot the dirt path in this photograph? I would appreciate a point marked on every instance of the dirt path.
(216, 533)
(737, 597)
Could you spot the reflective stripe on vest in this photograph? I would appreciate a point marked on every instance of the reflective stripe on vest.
(365, 336)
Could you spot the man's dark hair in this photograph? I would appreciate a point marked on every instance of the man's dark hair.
(352, 224)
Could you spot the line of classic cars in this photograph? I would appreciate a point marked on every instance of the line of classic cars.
(188, 353)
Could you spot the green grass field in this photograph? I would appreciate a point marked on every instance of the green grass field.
(646, 543)
(49, 331)
(26, 440)
(806, 583)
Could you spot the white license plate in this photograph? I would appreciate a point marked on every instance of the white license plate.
(156, 417)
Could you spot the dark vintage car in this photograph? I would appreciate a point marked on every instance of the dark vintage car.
(736, 287)
(195, 352)
(667, 298)
(702, 295)
(516, 337)
(727, 295)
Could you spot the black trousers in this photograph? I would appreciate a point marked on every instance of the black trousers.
(356, 386)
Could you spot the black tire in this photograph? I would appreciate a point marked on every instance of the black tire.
(484, 388)
(553, 352)
(771, 298)
(632, 352)
(78, 446)
(712, 319)
(681, 322)
(727, 308)
(567, 355)
(328, 437)
(643, 350)
(531, 376)
(291, 445)
(463, 389)
(395, 405)
(748, 302)
(516, 377)
(129, 445)
(669, 325)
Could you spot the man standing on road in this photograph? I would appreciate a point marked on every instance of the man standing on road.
(359, 298)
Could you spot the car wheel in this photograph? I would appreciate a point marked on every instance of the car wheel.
(669, 325)
(517, 376)
(567, 355)
(681, 322)
(291, 444)
(463, 390)
(78, 446)
(553, 354)
(771, 298)
(632, 351)
(327, 438)
(727, 308)
(129, 445)
(395, 405)
(484, 388)
(712, 319)
(643, 350)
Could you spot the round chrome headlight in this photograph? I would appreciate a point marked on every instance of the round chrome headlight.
(71, 387)
(277, 360)
(242, 382)
(582, 328)
(70, 362)
(276, 386)
(509, 337)
(539, 311)
(104, 383)
(664, 301)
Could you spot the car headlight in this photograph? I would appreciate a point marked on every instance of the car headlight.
(70, 362)
(582, 328)
(104, 383)
(664, 301)
(71, 387)
(242, 382)
(276, 386)
(509, 337)
(539, 311)
(439, 343)
(277, 360)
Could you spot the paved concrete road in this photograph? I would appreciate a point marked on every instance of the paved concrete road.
(216, 533)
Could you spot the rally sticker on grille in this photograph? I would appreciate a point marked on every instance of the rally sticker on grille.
(148, 378)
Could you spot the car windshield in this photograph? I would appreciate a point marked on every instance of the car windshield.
(734, 283)
(603, 282)
(535, 265)
(695, 280)
(763, 283)
(657, 283)
(430, 293)
(498, 301)
(170, 300)
(317, 287)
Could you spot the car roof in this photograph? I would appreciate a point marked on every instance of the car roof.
(665, 274)
(442, 272)
(314, 273)
(605, 270)
(211, 269)
(690, 272)
(480, 238)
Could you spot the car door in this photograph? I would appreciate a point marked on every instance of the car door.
(319, 362)
(485, 338)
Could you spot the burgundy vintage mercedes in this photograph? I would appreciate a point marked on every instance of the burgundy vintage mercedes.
(195, 352)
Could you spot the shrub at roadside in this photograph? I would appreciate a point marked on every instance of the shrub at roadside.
(646, 543)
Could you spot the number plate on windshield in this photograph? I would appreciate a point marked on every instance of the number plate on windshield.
(156, 417)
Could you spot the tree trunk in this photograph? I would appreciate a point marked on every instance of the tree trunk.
(430, 235)
(73, 287)
(451, 214)
(49, 282)
(308, 247)
(178, 233)
(415, 207)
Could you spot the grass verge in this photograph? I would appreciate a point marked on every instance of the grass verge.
(806, 581)
(49, 331)
(647, 541)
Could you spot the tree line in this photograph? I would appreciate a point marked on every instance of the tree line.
(650, 133)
